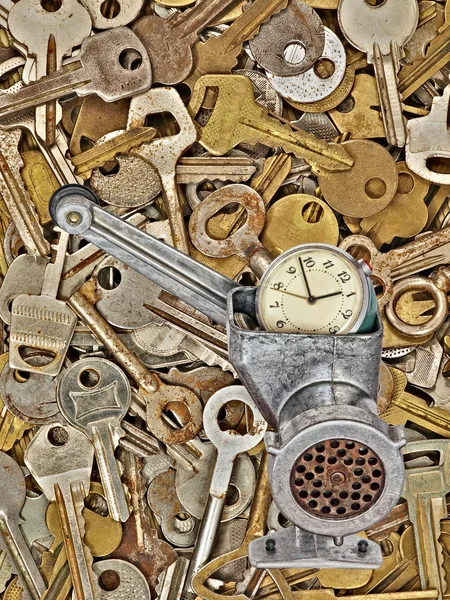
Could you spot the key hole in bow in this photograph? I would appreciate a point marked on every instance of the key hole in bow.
(51, 5)
(36, 359)
(438, 164)
(227, 418)
(226, 221)
(324, 68)
(294, 52)
(89, 378)
(58, 436)
(164, 122)
(176, 414)
(110, 9)
(312, 212)
(109, 580)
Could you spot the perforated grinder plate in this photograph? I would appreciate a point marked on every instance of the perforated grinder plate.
(337, 479)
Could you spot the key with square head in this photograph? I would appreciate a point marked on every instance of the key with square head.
(168, 41)
(229, 444)
(237, 118)
(112, 64)
(94, 395)
(43, 322)
(381, 31)
(11, 503)
(60, 459)
(425, 491)
(244, 242)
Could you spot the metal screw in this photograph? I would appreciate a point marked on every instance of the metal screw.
(362, 546)
(74, 217)
(270, 545)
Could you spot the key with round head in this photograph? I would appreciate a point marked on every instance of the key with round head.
(229, 444)
(112, 64)
(168, 41)
(12, 500)
(380, 31)
(94, 395)
(60, 459)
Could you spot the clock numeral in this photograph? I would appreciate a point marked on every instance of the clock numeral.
(280, 324)
(276, 305)
(291, 270)
(278, 286)
(344, 276)
(327, 264)
(309, 262)
(351, 294)
(334, 329)
(347, 314)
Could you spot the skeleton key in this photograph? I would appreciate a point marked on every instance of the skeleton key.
(425, 490)
(68, 26)
(112, 64)
(381, 31)
(94, 396)
(163, 153)
(60, 459)
(168, 41)
(237, 118)
(154, 391)
(12, 500)
(425, 252)
(244, 242)
(228, 445)
(220, 54)
(43, 322)
(16, 197)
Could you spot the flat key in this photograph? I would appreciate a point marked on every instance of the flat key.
(168, 41)
(229, 446)
(60, 458)
(97, 408)
(425, 490)
(11, 503)
(237, 118)
(381, 31)
(112, 64)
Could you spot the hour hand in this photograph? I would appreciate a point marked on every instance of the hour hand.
(329, 295)
(311, 297)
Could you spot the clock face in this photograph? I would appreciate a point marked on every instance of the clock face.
(311, 289)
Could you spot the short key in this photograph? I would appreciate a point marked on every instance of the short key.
(425, 252)
(425, 491)
(11, 503)
(60, 459)
(229, 444)
(112, 64)
(96, 407)
(244, 242)
(380, 31)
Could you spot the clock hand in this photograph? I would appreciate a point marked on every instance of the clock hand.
(290, 294)
(329, 295)
(311, 297)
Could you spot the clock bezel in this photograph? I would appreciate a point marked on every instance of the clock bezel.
(301, 248)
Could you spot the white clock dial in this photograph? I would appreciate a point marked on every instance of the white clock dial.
(311, 289)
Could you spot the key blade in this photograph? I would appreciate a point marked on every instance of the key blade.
(201, 287)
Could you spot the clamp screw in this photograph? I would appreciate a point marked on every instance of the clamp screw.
(271, 545)
(362, 546)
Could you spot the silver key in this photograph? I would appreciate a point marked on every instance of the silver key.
(112, 64)
(228, 445)
(11, 502)
(60, 458)
(381, 31)
(94, 395)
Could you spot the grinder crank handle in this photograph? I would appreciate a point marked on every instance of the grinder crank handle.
(74, 208)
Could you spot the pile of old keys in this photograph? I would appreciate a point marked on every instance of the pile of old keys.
(139, 456)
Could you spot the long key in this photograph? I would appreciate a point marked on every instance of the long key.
(168, 41)
(381, 31)
(43, 322)
(60, 458)
(237, 118)
(425, 252)
(17, 200)
(229, 446)
(220, 54)
(11, 502)
(112, 64)
(98, 411)
(425, 491)
(73, 208)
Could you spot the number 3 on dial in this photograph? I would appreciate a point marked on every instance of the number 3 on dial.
(316, 289)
